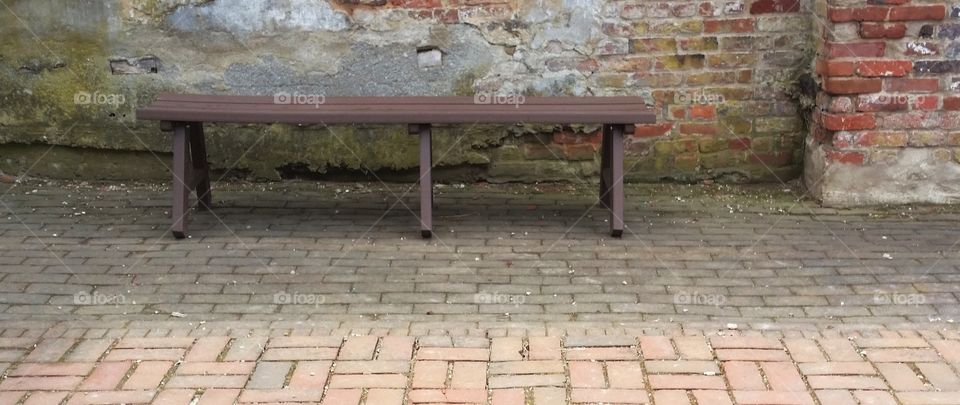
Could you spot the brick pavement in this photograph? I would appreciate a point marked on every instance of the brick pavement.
(735, 367)
(716, 295)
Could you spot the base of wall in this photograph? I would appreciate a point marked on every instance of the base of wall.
(917, 175)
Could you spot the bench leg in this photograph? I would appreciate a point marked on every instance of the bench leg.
(181, 180)
(611, 176)
(426, 180)
(201, 169)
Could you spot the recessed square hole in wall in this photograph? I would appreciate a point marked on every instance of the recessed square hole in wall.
(135, 66)
(429, 56)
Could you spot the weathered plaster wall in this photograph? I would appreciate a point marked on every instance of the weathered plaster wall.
(721, 73)
(887, 122)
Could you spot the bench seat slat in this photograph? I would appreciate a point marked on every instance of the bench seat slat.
(398, 110)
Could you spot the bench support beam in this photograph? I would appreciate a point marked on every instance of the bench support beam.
(426, 179)
(611, 176)
(191, 173)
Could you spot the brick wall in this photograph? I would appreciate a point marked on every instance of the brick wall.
(887, 123)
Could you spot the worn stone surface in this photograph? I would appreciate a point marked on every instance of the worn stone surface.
(71, 74)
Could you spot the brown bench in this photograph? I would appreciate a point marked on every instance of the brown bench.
(185, 114)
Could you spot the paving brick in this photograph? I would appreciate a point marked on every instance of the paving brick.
(616, 396)
(207, 348)
(147, 375)
(384, 397)
(395, 348)
(512, 396)
(544, 348)
(940, 375)
(901, 377)
(623, 374)
(358, 348)
(665, 397)
(712, 397)
(269, 375)
(506, 349)
(846, 382)
(656, 348)
(41, 398)
(51, 369)
(586, 374)
(106, 376)
(174, 397)
(453, 354)
(743, 375)
(469, 375)
(772, 397)
(686, 382)
(310, 374)
(783, 376)
(429, 374)
(112, 397)
(472, 396)
(218, 396)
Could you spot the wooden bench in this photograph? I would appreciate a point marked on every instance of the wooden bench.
(184, 115)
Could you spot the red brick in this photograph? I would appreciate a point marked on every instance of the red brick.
(751, 354)
(835, 68)
(735, 25)
(429, 374)
(739, 144)
(310, 374)
(693, 348)
(147, 375)
(838, 368)
(743, 375)
(774, 6)
(511, 396)
(689, 128)
(602, 353)
(900, 377)
(672, 397)
(207, 381)
(506, 349)
(369, 381)
(902, 355)
(299, 353)
(912, 13)
(145, 354)
(50, 350)
(216, 396)
(342, 397)
(625, 374)
(469, 375)
(880, 30)
(379, 396)
(112, 397)
(846, 157)
(656, 348)
(290, 395)
(845, 382)
(396, 348)
(173, 397)
(220, 368)
(416, 3)
(703, 111)
(154, 343)
(882, 102)
(651, 130)
(772, 398)
(855, 49)
(848, 14)
(544, 348)
(608, 396)
(712, 397)
(884, 68)
(453, 354)
(51, 369)
(106, 376)
(912, 85)
(40, 398)
(449, 396)
(926, 102)
(744, 342)
(681, 381)
(951, 103)
(848, 122)
(586, 374)
(803, 350)
(57, 383)
(783, 376)
(852, 86)
(358, 348)
(207, 348)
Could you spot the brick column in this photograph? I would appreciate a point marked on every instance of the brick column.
(886, 127)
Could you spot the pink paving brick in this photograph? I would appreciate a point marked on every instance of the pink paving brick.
(207, 348)
(380, 396)
(112, 397)
(625, 374)
(310, 374)
(342, 397)
(671, 397)
(469, 375)
(51, 369)
(693, 348)
(511, 396)
(147, 375)
(772, 398)
(358, 348)
(680, 381)
(471, 396)
(602, 353)
(174, 397)
(395, 348)
(106, 376)
(610, 396)
(49, 350)
(783, 376)
(657, 348)
(218, 396)
(506, 349)
(544, 348)
(453, 354)
(290, 395)
(429, 374)
(44, 398)
(712, 397)
(743, 375)
(586, 374)
(40, 383)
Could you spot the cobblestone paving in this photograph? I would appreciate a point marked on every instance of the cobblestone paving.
(83, 260)
(906, 368)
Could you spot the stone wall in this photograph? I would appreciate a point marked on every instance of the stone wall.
(888, 123)
(722, 74)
